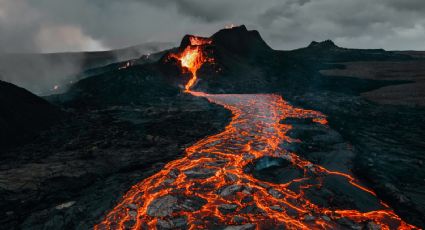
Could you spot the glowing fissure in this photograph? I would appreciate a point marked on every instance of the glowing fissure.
(212, 170)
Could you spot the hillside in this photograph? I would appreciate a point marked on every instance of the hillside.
(22, 114)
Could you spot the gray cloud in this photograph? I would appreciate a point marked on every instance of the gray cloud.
(77, 25)
(62, 25)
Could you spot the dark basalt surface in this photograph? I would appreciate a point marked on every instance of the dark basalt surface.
(68, 176)
(388, 145)
(22, 114)
(121, 126)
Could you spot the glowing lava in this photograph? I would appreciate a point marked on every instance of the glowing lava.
(209, 187)
(193, 57)
(212, 173)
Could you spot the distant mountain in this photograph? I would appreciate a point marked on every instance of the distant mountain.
(327, 44)
(327, 51)
(23, 114)
(40, 73)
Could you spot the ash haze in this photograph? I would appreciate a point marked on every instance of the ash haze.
(50, 26)
(88, 25)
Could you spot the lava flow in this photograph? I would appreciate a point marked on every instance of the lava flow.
(210, 188)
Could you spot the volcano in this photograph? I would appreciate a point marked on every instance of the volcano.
(224, 132)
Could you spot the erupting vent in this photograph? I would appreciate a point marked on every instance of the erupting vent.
(193, 57)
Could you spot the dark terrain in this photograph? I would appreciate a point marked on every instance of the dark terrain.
(118, 126)
(23, 114)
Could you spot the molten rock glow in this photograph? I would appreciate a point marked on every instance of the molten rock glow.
(193, 57)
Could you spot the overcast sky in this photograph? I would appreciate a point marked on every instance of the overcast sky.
(75, 25)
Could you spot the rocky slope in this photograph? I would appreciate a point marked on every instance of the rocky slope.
(22, 114)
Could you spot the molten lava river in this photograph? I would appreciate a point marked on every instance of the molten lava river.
(209, 187)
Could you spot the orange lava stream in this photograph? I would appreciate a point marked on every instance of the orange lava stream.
(254, 132)
(213, 170)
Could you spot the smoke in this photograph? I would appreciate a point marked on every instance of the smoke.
(41, 74)
(60, 26)
(53, 38)
(52, 73)
(142, 49)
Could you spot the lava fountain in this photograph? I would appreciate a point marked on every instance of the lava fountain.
(209, 188)
(193, 57)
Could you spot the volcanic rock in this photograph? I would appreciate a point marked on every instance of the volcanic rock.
(252, 209)
(174, 173)
(129, 224)
(239, 219)
(241, 227)
(175, 223)
(276, 208)
(231, 177)
(247, 199)
(351, 224)
(132, 214)
(227, 208)
(275, 193)
(192, 203)
(326, 218)
(65, 205)
(132, 206)
(162, 206)
(309, 218)
(373, 226)
(230, 190)
(200, 173)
